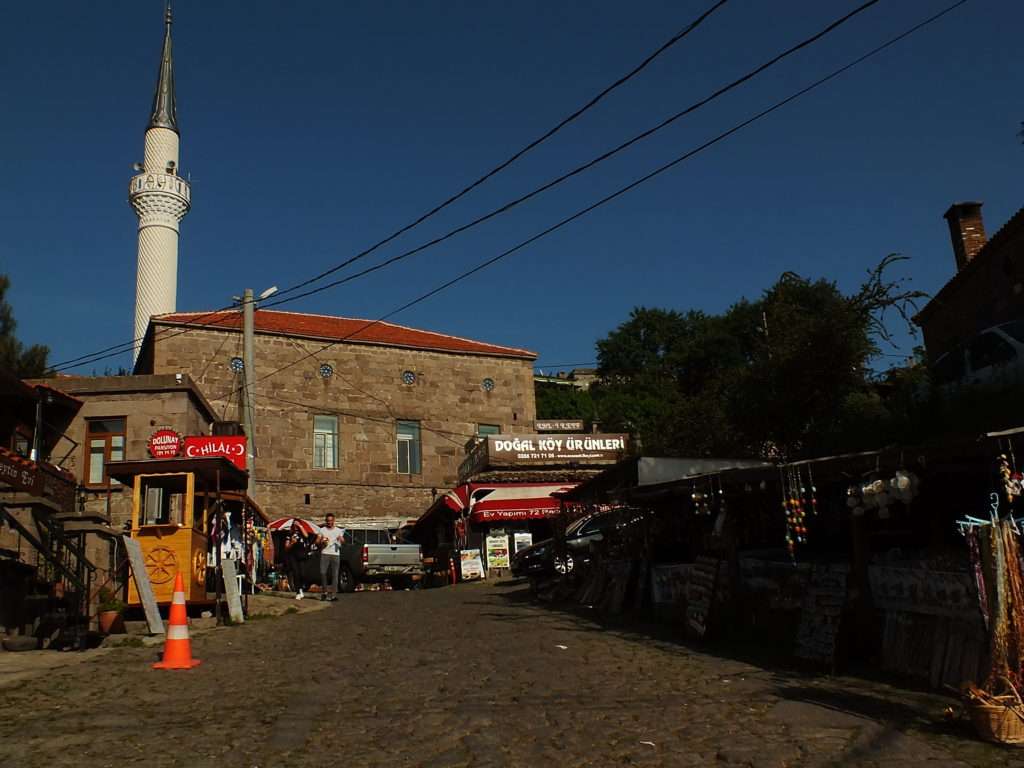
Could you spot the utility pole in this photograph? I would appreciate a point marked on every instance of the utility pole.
(249, 414)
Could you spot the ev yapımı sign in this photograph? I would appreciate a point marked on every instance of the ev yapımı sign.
(524, 449)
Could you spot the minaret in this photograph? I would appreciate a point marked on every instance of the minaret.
(161, 198)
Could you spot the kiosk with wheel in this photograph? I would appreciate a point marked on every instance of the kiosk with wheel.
(174, 503)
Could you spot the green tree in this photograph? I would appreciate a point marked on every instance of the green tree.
(24, 362)
(556, 401)
(783, 376)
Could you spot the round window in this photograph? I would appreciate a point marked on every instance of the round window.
(326, 371)
(408, 377)
(487, 384)
(237, 364)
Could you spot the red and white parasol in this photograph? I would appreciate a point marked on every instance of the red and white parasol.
(293, 523)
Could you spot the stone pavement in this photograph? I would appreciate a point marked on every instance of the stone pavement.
(474, 675)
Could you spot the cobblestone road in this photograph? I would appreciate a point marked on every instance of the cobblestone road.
(476, 675)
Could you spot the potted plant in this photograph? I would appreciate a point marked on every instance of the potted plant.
(109, 613)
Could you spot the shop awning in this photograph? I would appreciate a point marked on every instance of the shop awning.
(506, 502)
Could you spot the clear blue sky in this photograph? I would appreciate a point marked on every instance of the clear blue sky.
(313, 129)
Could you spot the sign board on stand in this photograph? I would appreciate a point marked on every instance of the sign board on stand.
(522, 540)
(231, 592)
(497, 552)
(471, 565)
(143, 585)
(822, 614)
(700, 593)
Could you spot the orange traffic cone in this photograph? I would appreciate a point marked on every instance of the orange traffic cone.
(177, 647)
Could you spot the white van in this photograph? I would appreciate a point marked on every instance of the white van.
(994, 358)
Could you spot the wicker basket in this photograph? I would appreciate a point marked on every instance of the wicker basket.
(999, 718)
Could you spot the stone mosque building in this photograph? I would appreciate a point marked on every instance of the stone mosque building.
(351, 416)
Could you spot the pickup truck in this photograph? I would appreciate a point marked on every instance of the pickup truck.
(372, 554)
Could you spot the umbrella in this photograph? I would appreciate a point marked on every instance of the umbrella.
(292, 523)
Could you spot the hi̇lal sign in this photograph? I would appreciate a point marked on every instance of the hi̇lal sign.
(231, 447)
(164, 444)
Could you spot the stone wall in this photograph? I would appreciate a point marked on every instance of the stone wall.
(367, 393)
(145, 411)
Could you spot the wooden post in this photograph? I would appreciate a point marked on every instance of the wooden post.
(218, 573)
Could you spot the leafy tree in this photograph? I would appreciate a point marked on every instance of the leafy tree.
(783, 376)
(555, 401)
(24, 362)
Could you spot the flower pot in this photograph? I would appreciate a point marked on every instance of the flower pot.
(111, 623)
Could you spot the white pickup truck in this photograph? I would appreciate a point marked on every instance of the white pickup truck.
(375, 554)
(372, 553)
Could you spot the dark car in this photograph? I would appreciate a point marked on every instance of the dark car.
(543, 558)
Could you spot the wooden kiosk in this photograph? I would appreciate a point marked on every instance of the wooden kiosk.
(173, 504)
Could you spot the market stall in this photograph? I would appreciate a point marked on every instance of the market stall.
(178, 508)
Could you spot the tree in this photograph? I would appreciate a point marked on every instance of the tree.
(780, 377)
(556, 401)
(14, 356)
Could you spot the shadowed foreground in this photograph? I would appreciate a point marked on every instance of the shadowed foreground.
(474, 675)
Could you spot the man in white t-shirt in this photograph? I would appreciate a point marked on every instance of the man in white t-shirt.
(331, 539)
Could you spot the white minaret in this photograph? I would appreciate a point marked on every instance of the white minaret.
(161, 198)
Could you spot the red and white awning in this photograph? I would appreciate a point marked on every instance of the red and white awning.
(501, 502)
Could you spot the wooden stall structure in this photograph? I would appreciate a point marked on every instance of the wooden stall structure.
(173, 504)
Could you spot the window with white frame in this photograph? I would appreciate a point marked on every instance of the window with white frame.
(483, 430)
(325, 442)
(408, 439)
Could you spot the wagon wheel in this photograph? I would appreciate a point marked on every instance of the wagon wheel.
(162, 564)
(199, 567)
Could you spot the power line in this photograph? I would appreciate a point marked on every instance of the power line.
(570, 174)
(126, 346)
(585, 166)
(532, 145)
(446, 434)
(629, 187)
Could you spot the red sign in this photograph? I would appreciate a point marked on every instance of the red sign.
(164, 444)
(231, 447)
(499, 515)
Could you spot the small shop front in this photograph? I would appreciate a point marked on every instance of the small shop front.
(490, 522)
(189, 515)
(847, 562)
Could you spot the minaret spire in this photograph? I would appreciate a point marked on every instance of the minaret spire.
(161, 197)
(164, 113)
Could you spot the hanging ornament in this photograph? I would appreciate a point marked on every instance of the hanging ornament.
(814, 492)
(1012, 480)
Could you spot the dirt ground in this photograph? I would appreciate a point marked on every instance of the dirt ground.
(475, 675)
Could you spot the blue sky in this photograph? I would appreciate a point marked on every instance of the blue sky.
(311, 130)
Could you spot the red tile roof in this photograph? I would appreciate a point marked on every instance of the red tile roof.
(347, 329)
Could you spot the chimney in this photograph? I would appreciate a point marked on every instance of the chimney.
(966, 230)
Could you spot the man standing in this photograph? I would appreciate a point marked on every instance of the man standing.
(331, 539)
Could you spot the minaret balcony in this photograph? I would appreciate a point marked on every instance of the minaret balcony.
(160, 199)
(168, 183)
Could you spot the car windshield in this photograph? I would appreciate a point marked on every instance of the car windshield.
(1014, 329)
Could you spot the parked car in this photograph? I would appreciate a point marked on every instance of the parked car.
(372, 555)
(543, 558)
(995, 357)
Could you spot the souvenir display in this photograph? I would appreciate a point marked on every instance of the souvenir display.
(813, 492)
(1013, 481)
(796, 518)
